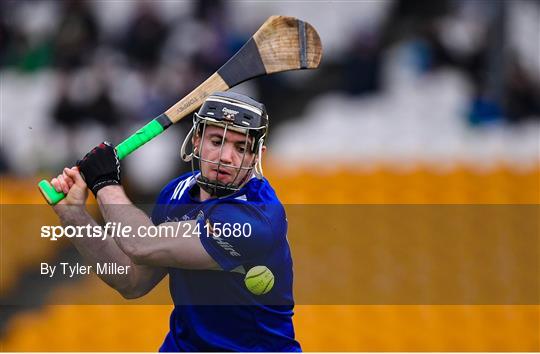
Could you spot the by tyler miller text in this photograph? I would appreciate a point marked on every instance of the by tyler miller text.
(76, 269)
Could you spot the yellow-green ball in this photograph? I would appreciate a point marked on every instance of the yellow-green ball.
(259, 280)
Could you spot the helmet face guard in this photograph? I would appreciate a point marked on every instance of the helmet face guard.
(231, 112)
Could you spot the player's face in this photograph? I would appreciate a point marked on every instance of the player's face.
(234, 153)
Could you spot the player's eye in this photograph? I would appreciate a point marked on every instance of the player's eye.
(240, 149)
(216, 142)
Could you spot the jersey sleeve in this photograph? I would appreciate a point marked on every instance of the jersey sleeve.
(237, 233)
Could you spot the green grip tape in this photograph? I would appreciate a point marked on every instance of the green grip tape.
(141, 137)
(49, 193)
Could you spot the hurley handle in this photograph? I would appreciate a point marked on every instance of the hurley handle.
(141, 137)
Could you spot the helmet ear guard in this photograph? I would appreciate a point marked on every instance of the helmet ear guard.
(232, 112)
(185, 157)
(257, 169)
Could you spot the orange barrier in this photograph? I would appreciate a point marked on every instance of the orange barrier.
(419, 186)
(318, 328)
(20, 248)
(88, 328)
(23, 212)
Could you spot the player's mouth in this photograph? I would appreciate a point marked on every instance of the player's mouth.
(222, 172)
(222, 175)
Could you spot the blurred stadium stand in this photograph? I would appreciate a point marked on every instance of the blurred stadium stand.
(415, 103)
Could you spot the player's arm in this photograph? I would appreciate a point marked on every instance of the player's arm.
(101, 169)
(177, 249)
(72, 211)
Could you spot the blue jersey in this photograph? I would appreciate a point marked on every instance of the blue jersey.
(214, 311)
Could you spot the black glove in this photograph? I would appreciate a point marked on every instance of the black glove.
(100, 167)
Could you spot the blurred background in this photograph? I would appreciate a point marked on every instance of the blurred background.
(415, 102)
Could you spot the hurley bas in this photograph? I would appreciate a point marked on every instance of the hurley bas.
(71, 270)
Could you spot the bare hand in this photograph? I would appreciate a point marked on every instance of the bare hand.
(71, 183)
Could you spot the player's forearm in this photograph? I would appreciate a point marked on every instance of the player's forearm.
(152, 251)
(101, 250)
(116, 207)
(94, 250)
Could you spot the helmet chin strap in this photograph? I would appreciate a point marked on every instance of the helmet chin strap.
(215, 189)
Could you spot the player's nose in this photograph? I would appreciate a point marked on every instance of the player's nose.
(227, 152)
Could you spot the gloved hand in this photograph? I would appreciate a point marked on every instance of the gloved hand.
(100, 167)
